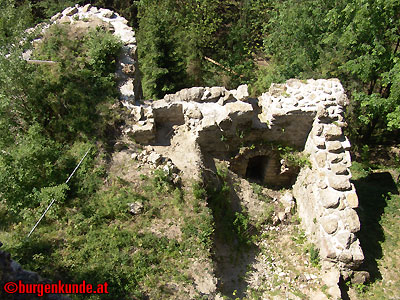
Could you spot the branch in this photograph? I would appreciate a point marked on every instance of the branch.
(223, 67)
(41, 62)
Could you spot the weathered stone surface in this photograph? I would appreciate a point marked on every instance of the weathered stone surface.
(106, 13)
(335, 158)
(319, 143)
(135, 208)
(360, 277)
(329, 198)
(225, 124)
(216, 92)
(142, 134)
(332, 132)
(329, 224)
(320, 157)
(358, 255)
(331, 279)
(137, 112)
(327, 251)
(193, 113)
(242, 92)
(56, 17)
(154, 158)
(64, 19)
(345, 257)
(339, 182)
(277, 89)
(69, 11)
(168, 112)
(352, 199)
(339, 169)
(344, 238)
(346, 144)
(351, 220)
(319, 129)
(240, 111)
(334, 146)
(194, 94)
(86, 8)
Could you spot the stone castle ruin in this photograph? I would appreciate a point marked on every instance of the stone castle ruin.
(196, 125)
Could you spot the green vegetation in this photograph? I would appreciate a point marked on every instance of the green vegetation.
(313, 252)
(50, 115)
(378, 193)
(356, 41)
(98, 240)
(293, 157)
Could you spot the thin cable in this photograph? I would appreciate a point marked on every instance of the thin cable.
(51, 203)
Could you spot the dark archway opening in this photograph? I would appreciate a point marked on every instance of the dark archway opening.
(256, 168)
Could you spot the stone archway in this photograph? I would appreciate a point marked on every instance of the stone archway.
(264, 166)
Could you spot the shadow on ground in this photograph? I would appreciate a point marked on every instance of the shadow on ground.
(233, 249)
(372, 191)
(232, 263)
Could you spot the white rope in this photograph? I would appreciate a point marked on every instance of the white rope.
(51, 203)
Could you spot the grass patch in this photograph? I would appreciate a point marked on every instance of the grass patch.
(97, 240)
(380, 226)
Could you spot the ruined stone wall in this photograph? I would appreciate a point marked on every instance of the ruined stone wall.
(199, 123)
(128, 75)
(305, 114)
(326, 199)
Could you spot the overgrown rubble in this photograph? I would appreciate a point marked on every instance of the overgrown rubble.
(307, 115)
(191, 129)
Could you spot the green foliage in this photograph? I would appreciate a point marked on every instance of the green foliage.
(294, 158)
(48, 114)
(161, 62)
(313, 252)
(356, 41)
(359, 170)
(14, 19)
(300, 237)
(199, 191)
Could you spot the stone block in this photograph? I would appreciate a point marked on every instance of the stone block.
(86, 8)
(242, 92)
(352, 199)
(329, 224)
(326, 250)
(345, 256)
(339, 169)
(358, 255)
(240, 111)
(335, 158)
(319, 142)
(332, 132)
(344, 238)
(351, 220)
(69, 11)
(360, 277)
(339, 182)
(334, 146)
(193, 113)
(329, 198)
(216, 92)
(320, 158)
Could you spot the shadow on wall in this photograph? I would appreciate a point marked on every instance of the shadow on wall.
(372, 191)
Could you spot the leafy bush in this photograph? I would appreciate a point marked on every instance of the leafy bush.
(314, 255)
